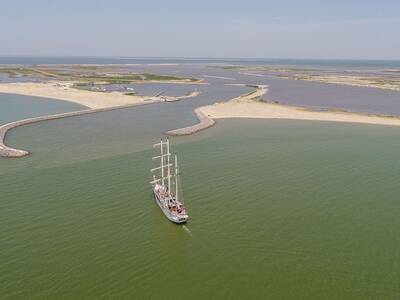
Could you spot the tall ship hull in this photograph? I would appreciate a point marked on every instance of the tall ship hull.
(166, 188)
(179, 219)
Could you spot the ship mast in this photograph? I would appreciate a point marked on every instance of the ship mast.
(176, 177)
(168, 166)
(162, 161)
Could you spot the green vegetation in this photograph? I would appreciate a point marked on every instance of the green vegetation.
(336, 109)
(110, 79)
(13, 72)
(82, 84)
(129, 78)
(89, 74)
(233, 67)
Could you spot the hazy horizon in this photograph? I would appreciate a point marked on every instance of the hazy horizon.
(343, 30)
(199, 58)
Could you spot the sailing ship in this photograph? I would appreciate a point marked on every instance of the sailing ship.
(166, 188)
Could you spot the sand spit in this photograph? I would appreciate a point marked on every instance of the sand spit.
(178, 98)
(243, 107)
(219, 77)
(206, 122)
(64, 91)
(6, 151)
(250, 106)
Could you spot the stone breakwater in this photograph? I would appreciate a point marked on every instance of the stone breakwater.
(205, 121)
(6, 151)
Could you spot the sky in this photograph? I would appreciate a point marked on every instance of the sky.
(307, 29)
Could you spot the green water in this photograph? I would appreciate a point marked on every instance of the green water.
(15, 107)
(279, 210)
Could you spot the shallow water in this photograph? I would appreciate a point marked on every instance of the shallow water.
(279, 209)
(17, 107)
(109, 133)
(318, 95)
(313, 95)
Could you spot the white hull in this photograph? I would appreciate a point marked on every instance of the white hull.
(178, 219)
(165, 188)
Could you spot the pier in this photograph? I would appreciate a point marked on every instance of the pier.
(204, 123)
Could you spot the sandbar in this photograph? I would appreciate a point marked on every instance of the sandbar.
(64, 91)
(250, 106)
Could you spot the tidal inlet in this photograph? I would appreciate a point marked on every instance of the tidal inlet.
(240, 161)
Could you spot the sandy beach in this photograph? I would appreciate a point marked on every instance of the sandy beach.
(94, 101)
(65, 91)
(205, 121)
(248, 107)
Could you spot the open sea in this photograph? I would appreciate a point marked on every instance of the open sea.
(279, 209)
(332, 63)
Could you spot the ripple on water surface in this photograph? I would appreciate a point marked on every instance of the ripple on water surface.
(278, 208)
(15, 107)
